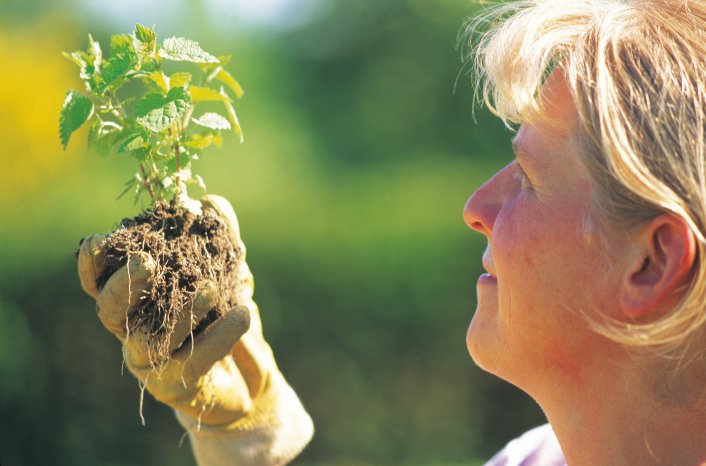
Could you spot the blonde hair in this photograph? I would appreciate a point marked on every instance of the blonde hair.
(637, 73)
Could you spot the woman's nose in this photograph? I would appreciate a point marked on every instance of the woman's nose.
(483, 206)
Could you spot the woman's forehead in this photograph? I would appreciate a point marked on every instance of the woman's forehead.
(555, 122)
(556, 100)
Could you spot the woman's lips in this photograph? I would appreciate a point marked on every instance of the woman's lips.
(487, 279)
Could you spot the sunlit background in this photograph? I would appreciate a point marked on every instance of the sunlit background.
(360, 151)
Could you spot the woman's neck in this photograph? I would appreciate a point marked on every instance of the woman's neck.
(611, 423)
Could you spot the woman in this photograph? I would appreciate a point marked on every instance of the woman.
(592, 300)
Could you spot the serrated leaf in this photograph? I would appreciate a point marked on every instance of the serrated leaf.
(117, 66)
(146, 35)
(227, 79)
(75, 111)
(233, 117)
(122, 60)
(95, 84)
(94, 51)
(179, 93)
(181, 78)
(82, 60)
(133, 139)
(76, 57)
(205, 94)
(141, 153)
(150, 65)
(151, 112)
(89, 61)
(121, 43)
(157, 112)
(212, 120)
(180, 49)
(199, 141)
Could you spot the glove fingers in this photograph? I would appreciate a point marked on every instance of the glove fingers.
(205, 300)
(91, 262)
(138, 346)
(189, 362)
(123, 291)
(211, 345)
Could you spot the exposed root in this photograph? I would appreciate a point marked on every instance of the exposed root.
(143, 386)
(187, 250)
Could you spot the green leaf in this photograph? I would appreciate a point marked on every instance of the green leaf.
(150, 65)
(212, 120)
(76, 57)
(89, 61)
(94, 51)
(180, 79)
(123, 58)
(146, 35)
(179, 93)
(226, 78)
(77, 109)
(206, 94)
(233, 117)
(157, 112)
(82, 60)
(134, 139)
(141, 153)
(117, 66)
(180, 49)
(121, 43)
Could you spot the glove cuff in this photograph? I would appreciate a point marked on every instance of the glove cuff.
(272, 434)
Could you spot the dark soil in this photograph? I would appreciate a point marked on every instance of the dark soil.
(188, 250)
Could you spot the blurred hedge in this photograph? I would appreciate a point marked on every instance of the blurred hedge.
(349, 188)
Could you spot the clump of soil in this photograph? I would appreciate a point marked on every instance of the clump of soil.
(188, 250)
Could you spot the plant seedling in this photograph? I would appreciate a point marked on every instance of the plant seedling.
(158, 128)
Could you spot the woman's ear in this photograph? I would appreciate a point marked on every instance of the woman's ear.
(666, 252)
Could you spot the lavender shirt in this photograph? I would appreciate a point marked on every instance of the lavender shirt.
(537, 447)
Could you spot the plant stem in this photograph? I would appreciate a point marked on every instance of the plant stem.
(148, 183)
(174, 132)
(178, 156)
(117, 105)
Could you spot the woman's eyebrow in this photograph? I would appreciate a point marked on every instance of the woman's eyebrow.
(519, 149)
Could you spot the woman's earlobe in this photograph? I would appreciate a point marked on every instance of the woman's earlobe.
(666, 254)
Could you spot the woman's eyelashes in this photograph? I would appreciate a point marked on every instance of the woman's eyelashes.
(521, 176)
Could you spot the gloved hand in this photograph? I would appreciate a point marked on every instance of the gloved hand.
(227, 377)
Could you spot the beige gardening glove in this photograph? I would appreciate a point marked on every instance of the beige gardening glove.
(224, 385)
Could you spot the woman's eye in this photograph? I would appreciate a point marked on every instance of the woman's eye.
(522, 177)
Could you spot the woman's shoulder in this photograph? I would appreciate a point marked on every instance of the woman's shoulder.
(536, 447)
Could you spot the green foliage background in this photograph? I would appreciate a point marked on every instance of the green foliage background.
(357, 161)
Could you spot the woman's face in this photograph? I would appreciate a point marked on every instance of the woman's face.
(547, 270)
